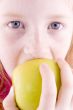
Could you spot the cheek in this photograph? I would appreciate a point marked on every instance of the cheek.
(61, 43)
(60, 49)
(8, 56)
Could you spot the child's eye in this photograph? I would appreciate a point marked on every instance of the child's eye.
(15, 24)
(55, 26)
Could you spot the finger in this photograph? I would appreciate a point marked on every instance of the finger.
(49, 91)
(9, 102)
(72, 103)
(66, 91)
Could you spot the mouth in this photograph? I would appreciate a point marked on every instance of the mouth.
(39, 55)
(27, 58)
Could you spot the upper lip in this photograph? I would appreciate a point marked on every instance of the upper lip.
(35, 57)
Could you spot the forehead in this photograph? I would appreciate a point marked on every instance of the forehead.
(35, 7)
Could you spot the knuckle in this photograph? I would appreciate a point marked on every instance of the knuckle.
(6, 102)
(69, 85)
(53, 92)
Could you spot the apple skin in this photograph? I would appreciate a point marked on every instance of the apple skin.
(27, 82)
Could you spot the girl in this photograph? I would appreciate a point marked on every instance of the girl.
(38, 29)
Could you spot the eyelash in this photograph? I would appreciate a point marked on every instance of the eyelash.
(18, 25)
(53, 26)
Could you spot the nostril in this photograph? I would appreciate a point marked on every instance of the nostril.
(26, 50)
(31, 52)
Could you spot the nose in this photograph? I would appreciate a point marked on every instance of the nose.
(36, 45)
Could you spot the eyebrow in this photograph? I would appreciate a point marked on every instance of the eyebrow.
(13, 15)
(16, 15)
(60, 16)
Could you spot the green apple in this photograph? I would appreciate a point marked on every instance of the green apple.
(27, 82)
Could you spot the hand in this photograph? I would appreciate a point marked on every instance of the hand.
(49, 92)
(9, 102)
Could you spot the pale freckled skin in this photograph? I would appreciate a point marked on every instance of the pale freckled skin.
(36, 16)
(36, 37)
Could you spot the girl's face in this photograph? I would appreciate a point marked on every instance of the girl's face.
(33, 29)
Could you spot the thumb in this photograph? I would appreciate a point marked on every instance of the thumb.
(9, 101)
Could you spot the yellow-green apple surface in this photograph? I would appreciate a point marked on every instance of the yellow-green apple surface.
(27, 82)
